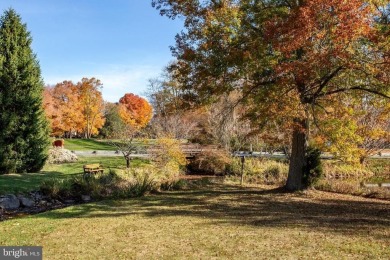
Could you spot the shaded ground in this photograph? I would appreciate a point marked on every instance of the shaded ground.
(218, 221)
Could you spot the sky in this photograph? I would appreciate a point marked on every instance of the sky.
(121, 42)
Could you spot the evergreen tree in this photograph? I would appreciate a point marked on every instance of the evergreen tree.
(24, 135)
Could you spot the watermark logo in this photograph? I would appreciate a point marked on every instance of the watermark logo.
(21, 252)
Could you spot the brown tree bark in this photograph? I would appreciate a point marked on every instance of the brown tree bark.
(297, 158)
(128, 159)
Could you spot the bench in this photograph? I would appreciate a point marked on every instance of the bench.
(93, 168)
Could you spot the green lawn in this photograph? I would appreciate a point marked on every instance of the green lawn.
(87, 144)
(21, 183)
(216, 222)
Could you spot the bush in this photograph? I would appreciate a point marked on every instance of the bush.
(210, 162)
(259, 170)
(352, 186)
(131, 183)
(56, 188)
(168, 160)
(379, 167)
(51, 187)
(88, 185)
(334, 169)
(312, 172)
(60, 155)
(136, 183)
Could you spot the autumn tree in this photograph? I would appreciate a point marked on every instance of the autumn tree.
(288, 58)
(52, 113)
(24, 130)
(360, 129)
(126, 140)
(112, 119)
(92, 105)
(169, 119)
(75, 108)
(63, 109)
(134, 110)
(126, 120)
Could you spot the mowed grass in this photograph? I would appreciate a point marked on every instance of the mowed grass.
(22, 183)
(87, 144)
(216, 222)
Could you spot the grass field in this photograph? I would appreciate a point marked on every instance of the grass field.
(21, 183)
(96, 144)
(218, 221)
(87, 144)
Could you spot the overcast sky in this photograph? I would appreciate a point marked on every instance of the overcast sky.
(121, 42)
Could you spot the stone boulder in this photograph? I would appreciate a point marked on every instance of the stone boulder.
(9, 202)
(26, 202)
(85, 198)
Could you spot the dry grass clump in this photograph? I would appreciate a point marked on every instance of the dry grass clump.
(210, 162)
(353, 186)
(342, 170)
(261, 171)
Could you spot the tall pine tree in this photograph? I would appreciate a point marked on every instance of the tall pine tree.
(24, 135)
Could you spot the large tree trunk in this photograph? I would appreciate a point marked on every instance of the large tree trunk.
(297, 158)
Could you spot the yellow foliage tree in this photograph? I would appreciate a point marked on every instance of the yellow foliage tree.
(92, 105)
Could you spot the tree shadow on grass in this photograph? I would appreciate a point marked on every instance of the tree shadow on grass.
(235, 205)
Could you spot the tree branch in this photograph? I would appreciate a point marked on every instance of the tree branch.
(354, 88)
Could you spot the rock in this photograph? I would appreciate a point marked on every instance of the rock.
(36, 195)
(69, 201)
(42, 203)
(57, 202)
(61, 155)
(9, 202)
(85, 198)
(26, 202)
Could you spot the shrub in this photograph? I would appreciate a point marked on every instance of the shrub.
(312, 172)
(60, 155)
(168, 160)
(352, 186)
(51, 187)
(210, 162)
(139, 182)
(259, 170)
(379, 167)
(342, 170)
(88, 185)
(56, 188)
(115, 184)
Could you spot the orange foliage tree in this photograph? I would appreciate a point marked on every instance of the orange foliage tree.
(74, 108)
(288, 58)
(134, 110)
(61, 104)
